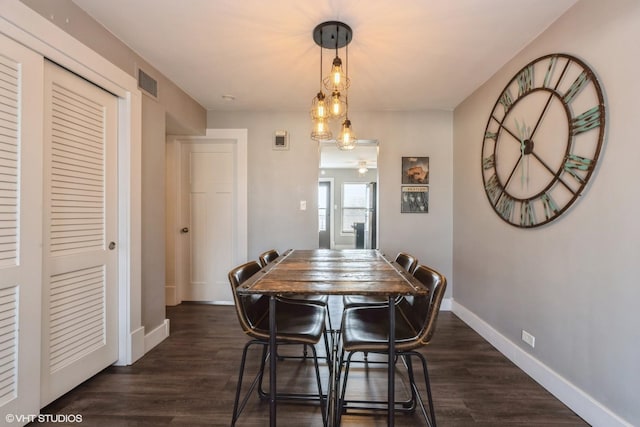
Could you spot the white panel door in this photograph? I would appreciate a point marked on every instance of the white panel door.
(21, 74)
(80, 230)
(208, 191)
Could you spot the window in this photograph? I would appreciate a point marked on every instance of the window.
(354, 204)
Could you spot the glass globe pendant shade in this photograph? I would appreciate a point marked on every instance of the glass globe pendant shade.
(347, 139)
(321, 131)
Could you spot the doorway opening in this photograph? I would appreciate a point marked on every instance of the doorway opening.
(347, 196)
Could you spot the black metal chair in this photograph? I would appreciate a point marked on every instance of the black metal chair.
(406, 261)
(366, 329)
(296, 324)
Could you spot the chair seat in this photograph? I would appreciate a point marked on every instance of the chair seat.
(367, 329)
(360, 301)
(295, 323)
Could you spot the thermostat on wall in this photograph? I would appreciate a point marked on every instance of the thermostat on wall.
(281, 140)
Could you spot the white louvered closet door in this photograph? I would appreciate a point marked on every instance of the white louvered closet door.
(80, 278)
(21, 73)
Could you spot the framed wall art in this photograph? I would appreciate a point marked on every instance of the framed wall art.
(415, 170)
(415, 199)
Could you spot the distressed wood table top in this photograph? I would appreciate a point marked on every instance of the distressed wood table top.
(332, 272)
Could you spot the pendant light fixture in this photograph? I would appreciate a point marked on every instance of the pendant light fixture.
(346, 139)
(333, 35)
(320, 111)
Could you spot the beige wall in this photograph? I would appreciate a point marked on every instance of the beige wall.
(153, 213)
(573, 283)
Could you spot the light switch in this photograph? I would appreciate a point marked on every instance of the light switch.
(303, 205)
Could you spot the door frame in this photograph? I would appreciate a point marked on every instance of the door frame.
(332, 207)
(175, 244)
(35, 32)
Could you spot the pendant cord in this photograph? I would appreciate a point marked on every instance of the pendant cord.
(346, 75)
(320, 44)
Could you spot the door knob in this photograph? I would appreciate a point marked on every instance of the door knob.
(185, 230)
(112, 245)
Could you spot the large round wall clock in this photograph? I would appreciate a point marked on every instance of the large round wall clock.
(543, 140)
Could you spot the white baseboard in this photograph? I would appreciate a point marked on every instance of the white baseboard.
(137, 345)
(592, 411)
(343, 246)
(156, 336)
(170, 295)
(445, 305)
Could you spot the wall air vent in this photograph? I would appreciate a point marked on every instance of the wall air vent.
(148, 84)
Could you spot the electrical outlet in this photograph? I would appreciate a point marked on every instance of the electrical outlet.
(528, 338)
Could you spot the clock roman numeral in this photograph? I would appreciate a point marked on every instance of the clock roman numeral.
(588, 120)
(489, 162)
(549, 206)
(525, 80)
(493, 187)
(491, 135)
(550, 70)
(576, 87)
(575, 163)
(527, 215)
(506, 100)
(505, 206)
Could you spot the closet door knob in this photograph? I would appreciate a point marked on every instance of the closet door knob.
(112, 245)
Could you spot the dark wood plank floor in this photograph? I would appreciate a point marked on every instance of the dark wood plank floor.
(190, 380)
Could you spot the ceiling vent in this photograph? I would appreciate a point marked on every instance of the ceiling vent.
(148, 84)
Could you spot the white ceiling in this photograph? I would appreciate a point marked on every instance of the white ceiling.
(405, 54)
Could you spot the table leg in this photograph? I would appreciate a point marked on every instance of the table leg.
(334, 379)
(273, 352)
(391, 367)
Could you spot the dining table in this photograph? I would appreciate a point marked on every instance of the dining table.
(332, 272)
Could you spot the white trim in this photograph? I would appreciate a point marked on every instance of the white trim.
(240, 139)
(446, 303)
(170, 294)
(220, 302)
(332, 240)
(156, 336)
(27, 27)
(343, 246)
(136, 338)
(592, 411)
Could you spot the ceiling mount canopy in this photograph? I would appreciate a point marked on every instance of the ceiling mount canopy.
(333, 35)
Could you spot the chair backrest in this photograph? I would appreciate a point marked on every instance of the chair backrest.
(406, 261)
(268, 256)
(422, 311)
(249, 308)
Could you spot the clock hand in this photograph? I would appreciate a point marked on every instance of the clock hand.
(524, 136)
(506, 184)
